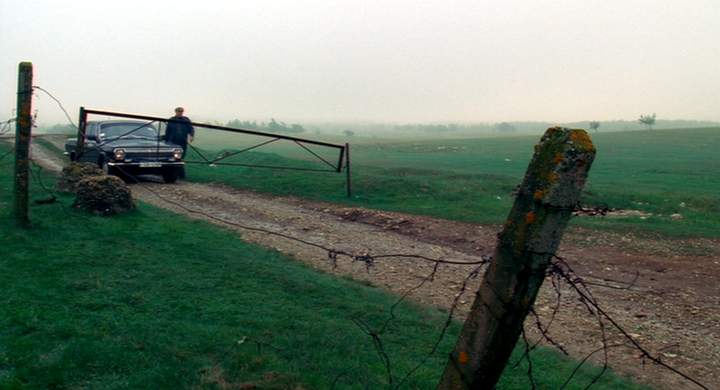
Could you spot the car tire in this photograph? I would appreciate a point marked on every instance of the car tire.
(170, 175)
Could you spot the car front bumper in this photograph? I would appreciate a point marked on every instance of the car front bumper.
(145, 167)
(146, 164)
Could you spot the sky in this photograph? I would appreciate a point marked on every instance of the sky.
(384, 61)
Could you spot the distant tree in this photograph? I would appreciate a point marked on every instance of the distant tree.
(648, 120)
(427, 128)
(505, 127)
(349, 133)
(273, 126)
(594, 125)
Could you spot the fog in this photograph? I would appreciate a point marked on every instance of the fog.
(370, 61)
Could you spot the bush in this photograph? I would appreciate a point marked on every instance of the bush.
(103, 195)
(75, 172)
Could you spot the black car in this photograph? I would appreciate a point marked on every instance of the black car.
(128, 148)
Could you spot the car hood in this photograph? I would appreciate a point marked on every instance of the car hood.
(138, 143)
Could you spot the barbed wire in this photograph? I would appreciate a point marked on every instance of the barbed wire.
(561, 267)
(526, 354)
(558, 271)
(5, 155)
(36, 176)
(59, 103)
(448, 322)
(5, 127)
(599, 210)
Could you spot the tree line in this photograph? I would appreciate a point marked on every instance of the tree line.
(273, 126)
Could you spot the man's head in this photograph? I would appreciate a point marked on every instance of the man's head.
(179, 111)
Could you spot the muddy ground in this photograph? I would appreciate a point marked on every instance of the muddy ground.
(672, 308)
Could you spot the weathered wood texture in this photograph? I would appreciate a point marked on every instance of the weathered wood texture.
(23, 126)
(80, 141)
(531, 235)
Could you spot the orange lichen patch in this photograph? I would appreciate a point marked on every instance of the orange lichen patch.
(553, 177)
(463, 357)
(581, 139)
(530, 217)
(558, 158)
(538, 195)
(23, 121)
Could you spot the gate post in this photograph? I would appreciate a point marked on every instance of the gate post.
(23, 126)
(348, 179)
(531, 235)
(82, 125)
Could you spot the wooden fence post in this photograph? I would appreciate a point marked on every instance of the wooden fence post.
(531, 235)
(23, 126)
(348, 178)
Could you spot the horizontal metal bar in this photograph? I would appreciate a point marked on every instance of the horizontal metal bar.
(215, 127)
(261, 166)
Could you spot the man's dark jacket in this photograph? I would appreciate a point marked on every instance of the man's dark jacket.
(178, 129)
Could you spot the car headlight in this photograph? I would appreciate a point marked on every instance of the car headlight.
(177, 154)
(119, 154)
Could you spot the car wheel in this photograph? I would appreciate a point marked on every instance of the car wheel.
(170, 175)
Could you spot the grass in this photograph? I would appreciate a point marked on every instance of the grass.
(151, 299)
(660, 172)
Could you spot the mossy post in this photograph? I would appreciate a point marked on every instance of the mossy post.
(23, 126)
(531, 235)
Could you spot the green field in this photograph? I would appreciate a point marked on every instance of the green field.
(151, 299)
(659, 172)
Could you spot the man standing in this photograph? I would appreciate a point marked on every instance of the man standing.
(179, 131)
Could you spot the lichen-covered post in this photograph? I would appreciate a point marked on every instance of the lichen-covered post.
(23, 125)
(531, 235)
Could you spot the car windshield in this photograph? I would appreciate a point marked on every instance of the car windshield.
(128, 130)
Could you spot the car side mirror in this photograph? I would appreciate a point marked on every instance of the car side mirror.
(91, 137)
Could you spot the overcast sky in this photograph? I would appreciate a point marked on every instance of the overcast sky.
(399, 61)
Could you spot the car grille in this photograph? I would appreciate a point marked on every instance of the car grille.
(148, 153)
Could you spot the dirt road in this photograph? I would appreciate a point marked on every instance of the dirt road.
(673, 309)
